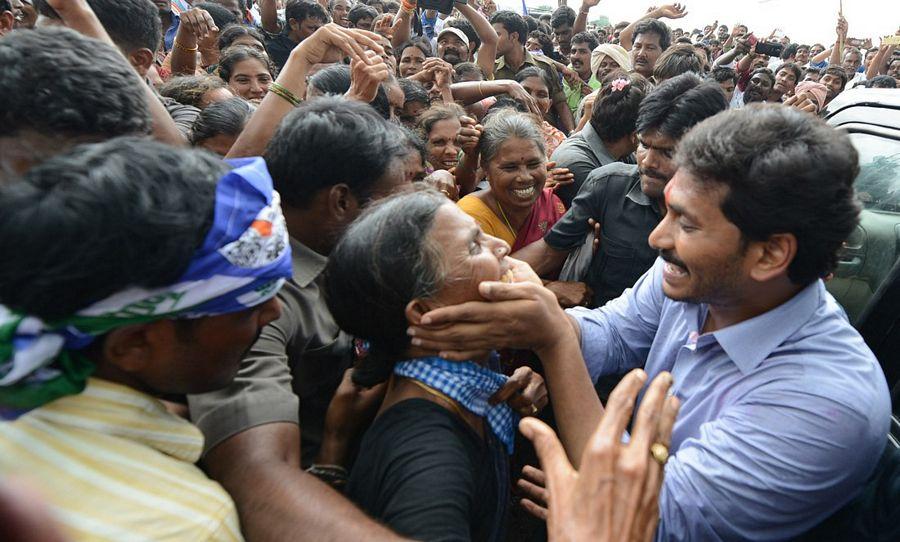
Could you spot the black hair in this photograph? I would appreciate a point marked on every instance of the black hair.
(419, 43)
(384, 261)
(327, 141)
(532, 23)
(361, 11)
(235, 31)
(720, 74)
(240, 53)
(414, 142)
(5, 5)
(382, 104)
(792, 67)
(812, 69)
(227, 117)
(881, 81)
(414, 91)
(299, 10)
(506, 102)
(534, 71)
(676, 105)
(655, 26)
(106, 216)
(789, 51)
(786, 172)
(684, 40)
(586, 37)
(334, 80)
(676, 60)
(464, 68)
(391, 7)
(763, 71)
(190, 89)
(838, 71)
(58, 82)
(561, 16)
(545, 40)
(616, 111)
(221, 16)
(466, 28)
(131, 24)
(513, 23)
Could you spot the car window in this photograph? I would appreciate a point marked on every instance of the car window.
(878, 183)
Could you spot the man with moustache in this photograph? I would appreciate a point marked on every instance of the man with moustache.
(760, 85)
(627, 200)
(651, 38)
(784, 409)
(584, 81)
(456, 44)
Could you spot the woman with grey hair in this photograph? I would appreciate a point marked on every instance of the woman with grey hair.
(435, 462)
(517, 207)
(433, 465)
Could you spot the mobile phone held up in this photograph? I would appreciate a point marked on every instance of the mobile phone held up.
(442, 6)
(763, 48)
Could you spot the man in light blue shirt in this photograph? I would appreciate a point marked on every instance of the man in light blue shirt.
(784, 409)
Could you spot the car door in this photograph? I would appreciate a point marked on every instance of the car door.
(872, 249)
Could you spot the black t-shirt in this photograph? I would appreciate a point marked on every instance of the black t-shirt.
(611, 195)
(427, 475)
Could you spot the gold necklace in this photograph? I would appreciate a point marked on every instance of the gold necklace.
(508, 225)
(435, 393)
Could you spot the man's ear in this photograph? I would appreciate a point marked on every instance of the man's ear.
(7, 22)
(342, 204)
(141, 60)
(132, 348)
(774, 257)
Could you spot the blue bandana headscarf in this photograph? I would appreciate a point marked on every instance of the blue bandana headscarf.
(468, 384)
(243, 262)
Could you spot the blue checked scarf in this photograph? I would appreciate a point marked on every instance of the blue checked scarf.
(468, 384)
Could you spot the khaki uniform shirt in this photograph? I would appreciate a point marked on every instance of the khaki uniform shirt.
(503, 71)
(292, 371)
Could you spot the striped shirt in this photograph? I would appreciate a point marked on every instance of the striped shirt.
(113, 464)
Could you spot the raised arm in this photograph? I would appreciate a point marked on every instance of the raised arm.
(196, 24)
(487, 54)
(581, 20)
(668, 11)
(838, 49)
(268, 16)
(879, 62)
(328, 44)
(402, 28)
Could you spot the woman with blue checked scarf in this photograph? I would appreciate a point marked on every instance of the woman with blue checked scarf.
(434, 465)
(131, 271)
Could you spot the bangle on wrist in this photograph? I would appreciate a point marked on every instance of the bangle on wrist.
(193, 49)
(284, 94)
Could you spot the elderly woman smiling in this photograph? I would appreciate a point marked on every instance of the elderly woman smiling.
(434, 464)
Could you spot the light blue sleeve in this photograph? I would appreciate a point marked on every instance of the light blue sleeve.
(617, 336)
(772, 466)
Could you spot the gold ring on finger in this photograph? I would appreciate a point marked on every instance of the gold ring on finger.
(534, 410)
(659, 452)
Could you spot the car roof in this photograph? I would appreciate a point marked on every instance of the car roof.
(875, 108)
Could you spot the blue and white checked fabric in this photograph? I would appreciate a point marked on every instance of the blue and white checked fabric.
(470, 385)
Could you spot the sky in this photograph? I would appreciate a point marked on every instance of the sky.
(804, 21)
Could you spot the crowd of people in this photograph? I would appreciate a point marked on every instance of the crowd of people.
(359, 270)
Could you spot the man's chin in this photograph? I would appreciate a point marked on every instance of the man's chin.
(652, 187)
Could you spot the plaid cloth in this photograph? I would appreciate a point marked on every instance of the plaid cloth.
(468, 384)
